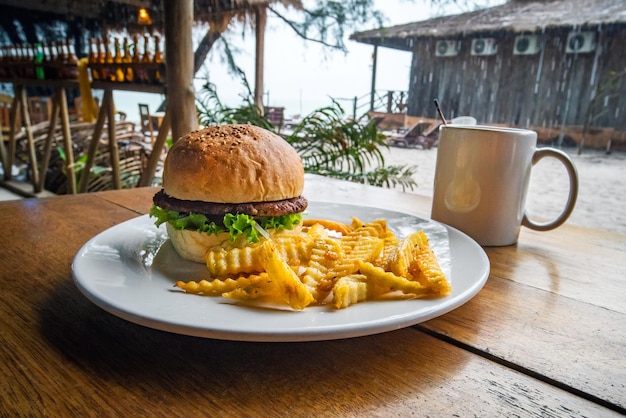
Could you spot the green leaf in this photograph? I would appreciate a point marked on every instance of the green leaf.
(240, 224)
(235, 224)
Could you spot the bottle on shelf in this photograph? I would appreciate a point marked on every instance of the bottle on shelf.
(118, 60)
(104, 72)
(5, 70)
(136, 54)
(3, 63)
(29, 61)
(158, 59)
(127, 59)
(108, 62)
(61, 60)
(140, 73)
(39, 59)
(93, 59)
(18, 61)
(49, 69)
(71, 63)
(146, 59)
(10, 60)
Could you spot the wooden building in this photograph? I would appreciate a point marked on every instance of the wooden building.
(541, 64)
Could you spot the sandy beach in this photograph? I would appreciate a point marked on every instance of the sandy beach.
(602, 194)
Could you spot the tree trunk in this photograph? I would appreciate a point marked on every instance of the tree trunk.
(179, 52)
(261, 20)
(203, 49)
(199, 56)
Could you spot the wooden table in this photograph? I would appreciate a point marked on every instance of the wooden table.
(545, 337)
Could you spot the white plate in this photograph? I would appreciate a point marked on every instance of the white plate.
(129, 270)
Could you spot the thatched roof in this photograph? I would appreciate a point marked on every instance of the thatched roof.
(42, 18)
(514, 16)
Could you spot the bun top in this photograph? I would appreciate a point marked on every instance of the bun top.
(233, 164)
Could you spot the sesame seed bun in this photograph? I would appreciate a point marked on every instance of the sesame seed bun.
(233, 164)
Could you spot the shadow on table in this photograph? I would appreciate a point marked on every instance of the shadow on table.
(116, 353)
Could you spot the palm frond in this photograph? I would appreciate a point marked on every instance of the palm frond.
(329, 143)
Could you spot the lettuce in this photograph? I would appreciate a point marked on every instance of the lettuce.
(235, 224)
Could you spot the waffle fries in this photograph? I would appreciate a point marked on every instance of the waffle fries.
(315, 267)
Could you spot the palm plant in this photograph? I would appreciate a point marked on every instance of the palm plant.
(334, 146)
(211, 110)
(328, 142)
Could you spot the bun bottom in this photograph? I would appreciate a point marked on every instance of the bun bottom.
(192, 245)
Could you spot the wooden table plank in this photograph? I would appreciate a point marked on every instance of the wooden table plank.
(139, 201)
(578, 344)
(591, 270)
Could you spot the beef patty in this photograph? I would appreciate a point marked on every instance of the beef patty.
(212, 210)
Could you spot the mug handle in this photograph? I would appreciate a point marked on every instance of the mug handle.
(573, 190)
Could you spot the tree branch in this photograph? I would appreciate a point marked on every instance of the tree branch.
(303, 35)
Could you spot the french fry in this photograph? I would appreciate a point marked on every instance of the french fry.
(226, 262)
(404, 255)
(292, 290)
(330, 225)
(362, 249)
(372, 229)
(261, 287)
(317, 231)
(215, 287)
(377, 229)
(319, 275)
(431, 274)
(312, 265)
(349, 290)
(295, 248)
(390, 244)
(380, 282)
(415, 260)
(356, 223)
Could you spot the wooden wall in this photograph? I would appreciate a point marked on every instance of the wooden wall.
(547, 89)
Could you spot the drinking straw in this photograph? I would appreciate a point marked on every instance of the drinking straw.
(443, 119)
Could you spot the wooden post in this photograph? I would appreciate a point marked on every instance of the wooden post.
(261, 21)
(4, 158)
(8, 174)
(47, 151)
(67, 143)
(373, 87)
(32, 155)
(179, 54)
(113, 148)
(93, 145)
(153, 161)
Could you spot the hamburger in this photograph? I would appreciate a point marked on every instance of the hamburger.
(227, 183)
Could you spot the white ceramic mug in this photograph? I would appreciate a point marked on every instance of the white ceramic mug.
(481, 181)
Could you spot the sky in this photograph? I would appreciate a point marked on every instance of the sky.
(303, 76)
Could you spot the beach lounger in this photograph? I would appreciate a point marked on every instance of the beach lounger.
(413, 138)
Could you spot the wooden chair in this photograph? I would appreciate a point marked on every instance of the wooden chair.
(133, 156)
(276, 115)
(149, 125)
(78, 109)
(40, 109)
(6, 102)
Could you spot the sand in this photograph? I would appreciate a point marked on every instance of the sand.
(601, 199)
